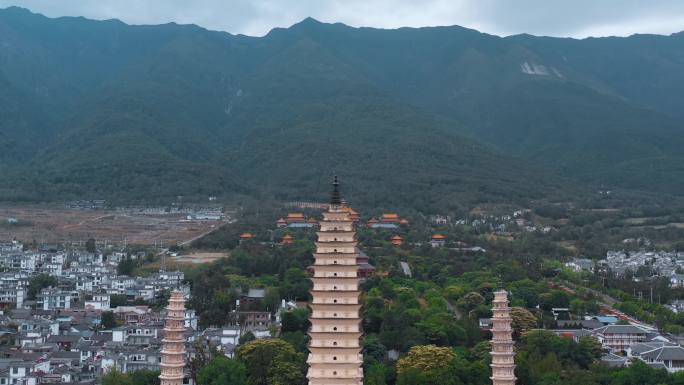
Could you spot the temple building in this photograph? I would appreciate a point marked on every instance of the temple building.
(244, 237)
(397, 240)
(503, 364)
(365, 268)
(287, 240)
(296, 220)
(173, 350)
(335, 350)
(437, 240)
(387, 221)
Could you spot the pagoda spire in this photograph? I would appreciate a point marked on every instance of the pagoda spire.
(173, 350)
(503, 364)
(335, 198)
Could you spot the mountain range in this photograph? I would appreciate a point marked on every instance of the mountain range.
(433, 117)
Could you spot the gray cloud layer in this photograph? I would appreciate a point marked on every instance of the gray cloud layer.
(576, 18)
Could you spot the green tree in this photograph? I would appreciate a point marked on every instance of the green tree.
(126, 266)
(639, 373)
(204, 353)
(223, 371)
(115, 377)
(272, 299)
(373, 350)
(144, 377)
(117, 300)
(454, 292)
(108, 320)
(523, 319)
(295, 320)
(426, 358)
(90, 245)
(376, 374)
(161, 300)
(248, 336)
(296, 284)
(38, 283)
(270, 360)
(470, 301)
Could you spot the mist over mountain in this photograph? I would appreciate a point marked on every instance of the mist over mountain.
(429, 116)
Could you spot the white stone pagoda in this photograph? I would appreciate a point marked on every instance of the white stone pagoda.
(335, 351)
(503, 365)
(173, 350)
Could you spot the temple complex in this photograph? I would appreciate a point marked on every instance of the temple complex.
(503, 365)
(335, 351)
(173, 351)
(296, 220)
(387, 221)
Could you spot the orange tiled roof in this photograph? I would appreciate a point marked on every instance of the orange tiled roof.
(295, 215)
(438, 236)
(390, 216)
(281, 220)
(372, 220)
(398, 238)
(287, 236)
(247, 235)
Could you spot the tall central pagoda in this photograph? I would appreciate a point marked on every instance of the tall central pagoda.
(335, 351)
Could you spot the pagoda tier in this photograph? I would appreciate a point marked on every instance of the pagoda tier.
(503, 364)
(335, 350)
(173, 350)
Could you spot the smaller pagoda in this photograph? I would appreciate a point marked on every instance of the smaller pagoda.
(173, 350)
(503, 364)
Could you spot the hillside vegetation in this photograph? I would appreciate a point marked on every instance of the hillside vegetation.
(431, 117)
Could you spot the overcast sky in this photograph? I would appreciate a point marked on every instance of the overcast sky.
(576, 18)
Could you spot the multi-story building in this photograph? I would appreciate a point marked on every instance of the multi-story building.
(12, 296)
(52, 299)
(98, 302)
(335, 353)
(620, 337)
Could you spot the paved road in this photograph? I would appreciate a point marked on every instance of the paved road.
(189, 241)
(606, 303)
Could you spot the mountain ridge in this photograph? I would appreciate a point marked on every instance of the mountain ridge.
(150, 112)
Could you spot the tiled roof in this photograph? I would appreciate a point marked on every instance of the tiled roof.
(665, 353)
(620, 329)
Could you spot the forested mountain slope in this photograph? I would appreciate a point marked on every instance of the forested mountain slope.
(426, 116)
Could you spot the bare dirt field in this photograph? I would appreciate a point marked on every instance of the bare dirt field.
(55, 224)
(183, 262)
(198, 257)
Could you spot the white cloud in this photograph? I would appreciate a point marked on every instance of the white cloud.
(577, 18)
